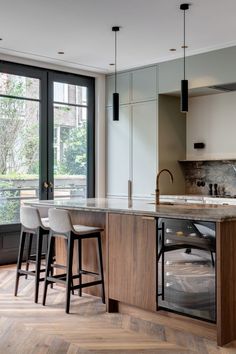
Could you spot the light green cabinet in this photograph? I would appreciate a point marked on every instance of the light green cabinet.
(144, 84)
(132, 141)
(133, 86)
(123, 87)
(118, 152)
(144, 148)
(132, 150)
(202, 70)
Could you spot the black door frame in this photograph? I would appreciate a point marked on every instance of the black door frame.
(46, 78)
(37, 73)
(89, 82)
(46, 139)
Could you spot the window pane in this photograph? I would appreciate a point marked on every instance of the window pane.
(20, 86)
(70, 151)
(19, 155)
(73, 94)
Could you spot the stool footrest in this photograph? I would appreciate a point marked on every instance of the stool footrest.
(57, 279)
(43, 255)
(31, 261)
(86, 272)
(91, 283)
(28, 272)
(61, 278)
(59, 266)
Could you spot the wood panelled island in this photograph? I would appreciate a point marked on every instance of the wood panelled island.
(132, 258)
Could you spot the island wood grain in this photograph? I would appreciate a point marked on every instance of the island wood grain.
(226, 281)
(132, 260)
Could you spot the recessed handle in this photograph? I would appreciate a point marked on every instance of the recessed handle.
(148, 218)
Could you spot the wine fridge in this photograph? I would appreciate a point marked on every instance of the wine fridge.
(186, 273)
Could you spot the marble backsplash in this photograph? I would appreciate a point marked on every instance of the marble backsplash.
(199, 175)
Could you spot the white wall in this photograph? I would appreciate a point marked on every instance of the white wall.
(212, 120)
(99, 113)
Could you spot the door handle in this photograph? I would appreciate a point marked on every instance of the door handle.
(45, 185)
(161, 254)
(51, 185)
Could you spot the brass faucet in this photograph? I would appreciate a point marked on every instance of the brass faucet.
(157, 191)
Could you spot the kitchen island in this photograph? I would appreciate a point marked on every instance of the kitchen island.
(130, 250)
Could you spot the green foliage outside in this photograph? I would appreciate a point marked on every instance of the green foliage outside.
(19, 147)
(74, 159)
(9, 208)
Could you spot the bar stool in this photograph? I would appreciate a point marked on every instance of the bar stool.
(33, 226)
(61, 226)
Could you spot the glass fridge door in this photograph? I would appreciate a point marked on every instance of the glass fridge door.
(186, 267)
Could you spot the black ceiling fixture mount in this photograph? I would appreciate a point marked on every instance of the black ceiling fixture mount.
(115, 94)
(184, 83)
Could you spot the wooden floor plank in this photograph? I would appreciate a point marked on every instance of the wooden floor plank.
(28, 328)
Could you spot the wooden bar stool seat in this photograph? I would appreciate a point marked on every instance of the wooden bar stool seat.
(33, 226)
(61, 226)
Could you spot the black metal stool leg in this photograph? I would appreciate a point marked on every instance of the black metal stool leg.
(80, 263)
(101, 266)
(70, 247)
(212, 259)
(48, 267)
(52, 259)
(20, 258)
(39, 242)
(28, 253)
(72, 283)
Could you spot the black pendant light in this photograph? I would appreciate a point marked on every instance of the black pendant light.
(115, 94)
(184, 82)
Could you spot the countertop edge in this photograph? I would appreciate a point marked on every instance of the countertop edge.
(173, 214)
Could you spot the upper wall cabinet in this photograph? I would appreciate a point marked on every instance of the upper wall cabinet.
(202, 70)
(135, 86)
(144, 84)
(123, 87)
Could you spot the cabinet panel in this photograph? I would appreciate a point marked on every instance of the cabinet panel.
(202, 70)
(118, 151)
(144, 84)
(132, 260)
(144, 148)
(123, 88)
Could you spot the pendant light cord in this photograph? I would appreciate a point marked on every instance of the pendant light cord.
(115, 61)
(184, 46)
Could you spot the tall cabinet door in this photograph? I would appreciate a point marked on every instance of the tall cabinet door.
(144, 148)
(118, 151)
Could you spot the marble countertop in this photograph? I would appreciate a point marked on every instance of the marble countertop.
(194, 209)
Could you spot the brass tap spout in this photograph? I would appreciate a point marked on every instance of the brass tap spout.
(157, 191)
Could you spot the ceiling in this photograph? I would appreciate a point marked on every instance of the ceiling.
(38, 29)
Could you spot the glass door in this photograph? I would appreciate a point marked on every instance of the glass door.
(186, 267)
(71, 129)
(22, 168)
(46, 140)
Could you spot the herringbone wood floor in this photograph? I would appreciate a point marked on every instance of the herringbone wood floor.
(27, 328)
